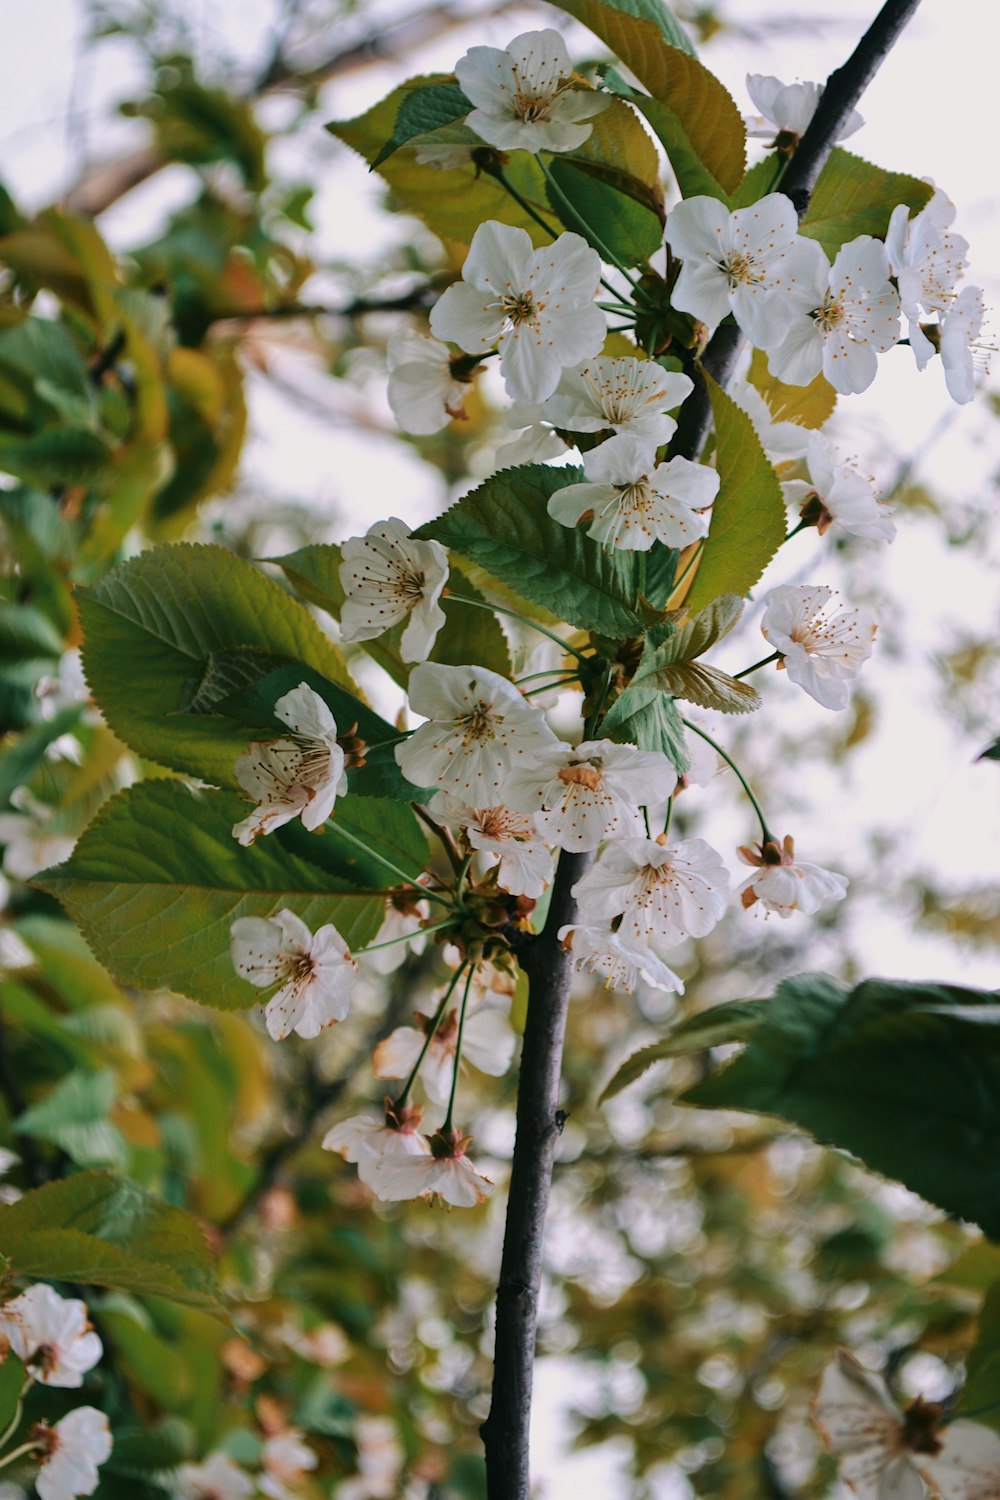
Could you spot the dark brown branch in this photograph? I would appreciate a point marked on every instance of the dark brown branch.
(423, 295)
(539, 1123)
(841, 93)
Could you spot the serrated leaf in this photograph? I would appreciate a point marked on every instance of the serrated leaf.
(659, 574)
(453, 203)
(224, 673)
(157, 880)
(150, 629)
(504, 526)
(810, 405)
(853, 197)
(423, 111)
(642, 25)
(699, 683)
(469, 635)
(106, 1231)
(905, 1076)
(748, 517)
(732, 1022)
(608, 189)
(645, 717)
(709, 626)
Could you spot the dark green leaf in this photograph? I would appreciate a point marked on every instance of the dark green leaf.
(853, 197)
(645, 717)
(905, 1076)
(604, 206)
(733, 1022)
(74, 1116)
(423, 111)
(19, 762)
(12, 1378)
(981, 1392)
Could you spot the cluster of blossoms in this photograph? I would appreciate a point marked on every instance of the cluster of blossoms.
(53, 1339)
(887, 1454)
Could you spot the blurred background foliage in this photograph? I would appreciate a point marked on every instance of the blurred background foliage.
(701, 1268)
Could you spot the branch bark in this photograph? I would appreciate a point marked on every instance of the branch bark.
(505, 1432)
(841, 93)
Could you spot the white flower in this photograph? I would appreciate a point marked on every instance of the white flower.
(538, 304)
(315, 970)
(581, 795)
(300, 776)
(967, 1463)
(217, 1478)
(424, 392)
(446, 1173)
(960, 329)
(488, 1042)
(733, 262)
(783, 884)
(387, 575)
(632, 501)
(868, 1435)
(443, 158)
(31, 845)
(838, 495)
(781, 441)
(286, 1460)
(502, 838)
(51, 1336)
(835, 318)
(534, 444)
(74, 1450)
(787, 108)
(599, 950)
(403, 918)
(479, 726)
(524, 95)
(822, 648)
(369, 1142)
(663, 893)
(925, 256)
(625, 395)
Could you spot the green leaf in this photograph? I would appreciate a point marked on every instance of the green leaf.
(670, 666)
(905, 1076)
(762, 178)
(981, 1392)
(634, 29)
(992, 752)
(505, 527)
(157, 880)
(56, 457)
(609, 190)
(660, 574)
(27, 753)
(645, 717)
(469, 635)
(810, 405)
(853, 197)
(151, 628)
(12, 1380)
(74, 1116)
(732, 1022)
(697, 635)
(748, 517)
(106, 1231)
(452, 203)
(696, 682)
(422, 111)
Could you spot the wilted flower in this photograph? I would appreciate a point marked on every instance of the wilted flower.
(538, 305)
(51, 1336)
(387, 576)
(315, 971)
(424, 392)
(300, 776)
(601, 951)
(784, 884)
(822, 648)
(525, 96)
(72, 1452)
(837, 495)
(446, 1172)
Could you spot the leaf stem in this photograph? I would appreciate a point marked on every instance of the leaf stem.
(11, 1427)
(513, 614)
(558, 197)
(431, 1030)
(386, 864)
(405, 937)
(766, 834)
(18, 1452)
(764, 661)
(458, 1050)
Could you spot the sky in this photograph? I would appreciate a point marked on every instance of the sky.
(932, 111)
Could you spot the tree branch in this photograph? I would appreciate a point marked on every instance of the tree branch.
(841, 93)
(539, 1124)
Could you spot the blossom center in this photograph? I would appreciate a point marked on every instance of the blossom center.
(479, 724)
(581, 775)
(829, 315)
(518, 307)
(740, 269)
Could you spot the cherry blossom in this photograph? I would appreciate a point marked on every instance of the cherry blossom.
(837, 495)
(424, 392)
(835, 319)
(368, 1142)
(443, 158)
(538, 305)
(488, 1042)
(446, 1172)
(966, 1465)
(404, 916)
(386, 576)
(663, 892)
(781, 441)
(926, 257)
(525, 96)
(601, 951)
(822, 648)
(218, 1477)
(581, 795)
(300, 776)
(872, 1440)
(623, 395)
(783, 884)
(315, 971)
(479, 727)
(631, 501)
(72, 1452)
(960, 329)
(286, 1459)
(51, 1336)
(503, 839)
(32, 842)
(787, 108)
(733, 261)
